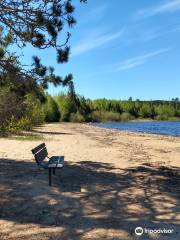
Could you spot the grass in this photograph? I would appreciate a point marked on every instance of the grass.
(26, 137)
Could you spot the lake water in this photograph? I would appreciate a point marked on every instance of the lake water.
(159, 127)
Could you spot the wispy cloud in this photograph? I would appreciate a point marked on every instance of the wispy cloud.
(136, 61)
(98, 11)
(94, 41)
(95, 14)
(138, 36)
(167, 7)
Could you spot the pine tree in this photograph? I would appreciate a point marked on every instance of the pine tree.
(39, 23)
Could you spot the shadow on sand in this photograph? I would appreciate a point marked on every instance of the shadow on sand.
(51, 133)
(90, 198)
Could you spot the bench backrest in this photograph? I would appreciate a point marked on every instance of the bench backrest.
(40, 153)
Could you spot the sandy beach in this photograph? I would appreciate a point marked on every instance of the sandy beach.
(112, 182)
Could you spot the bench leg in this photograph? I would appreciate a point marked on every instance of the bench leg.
(54, 171)
(49, 176)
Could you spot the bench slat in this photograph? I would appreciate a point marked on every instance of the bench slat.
(56, 161)
(41, 155)
(38, 148)
(55, 165)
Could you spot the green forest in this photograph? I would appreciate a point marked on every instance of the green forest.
(23, 113)
(72, 108)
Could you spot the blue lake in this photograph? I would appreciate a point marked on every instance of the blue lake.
(160, 127)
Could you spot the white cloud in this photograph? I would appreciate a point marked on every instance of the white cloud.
(167, 7)
(94, 41)
(136, 61)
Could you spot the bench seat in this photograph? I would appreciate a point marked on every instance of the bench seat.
(56, 161)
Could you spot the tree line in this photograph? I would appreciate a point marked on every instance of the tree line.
(19, 113)
(80, 109)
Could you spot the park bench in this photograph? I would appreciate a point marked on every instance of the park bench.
(41, 155)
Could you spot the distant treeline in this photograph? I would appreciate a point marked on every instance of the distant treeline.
(19, 113)
(79, 109)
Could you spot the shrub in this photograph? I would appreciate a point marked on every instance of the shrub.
(34, 114)
(96, 116)
(11, 106)
(13, 126)
(105, 116)
(110, 116)
(25, 123)
(19, 113)
(126, 117)
(76, 117)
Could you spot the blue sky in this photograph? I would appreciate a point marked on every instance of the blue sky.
(122, 48)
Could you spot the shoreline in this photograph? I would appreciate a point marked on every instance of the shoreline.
(143, 120)
(154, 120)
(129, 131)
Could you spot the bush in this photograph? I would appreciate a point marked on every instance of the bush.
(34, 114)
(110, 116)
(19, 113)
(25, 123)
(11, 106)
(166, 118)
(13, 126)
(105, 116)
(125, 117)
(96, 116)
(76, 117)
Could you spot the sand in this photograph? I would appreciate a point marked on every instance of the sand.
(112, 182)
